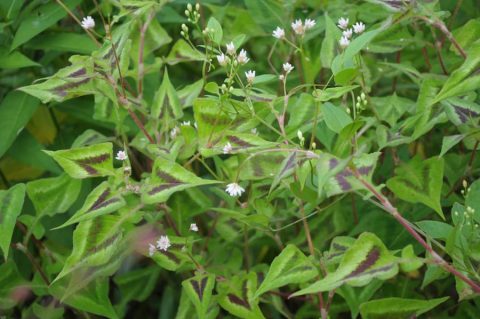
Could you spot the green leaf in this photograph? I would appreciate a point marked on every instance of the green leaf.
(460, 111)
(217, 33)
(137, 284)
(183, 52)
(335, 117)
(15, 60)
(391, 108)
(419, 181)
(88, 161)
(267, 13)
(39, 20)
(102, 200)
(11, 203)
(366, 259)
(167, 178)
(329, 43)
(53, 195)
(16, 110)
(410, 262)
(167, 103)
(450, 141)
(290, 267)
(473, 199)
(332, 93)
(63, 42)
(397, 308)
(199, 290)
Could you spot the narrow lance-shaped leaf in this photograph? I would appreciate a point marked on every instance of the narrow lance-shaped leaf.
(167, 178)
(11, 203)
(167, 103)
(419, 181)
(102, 200)
(53, 195)
(199, 290)
(366, 259)
(397, 307)
(291, 266)
(89, 161)
(460, 111)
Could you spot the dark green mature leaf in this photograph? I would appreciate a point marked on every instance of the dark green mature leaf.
(53, 195)
(366, 259)
(419, 181)
(39, 20)
(10, 280)
(332, 93)
(11, 203)
(397, 308)
(15, 60)
(167, 178)
(199, 290)
(267, 13)
(83, 162)
(391, 108)
(291, 266)
(15, 111)
(183, 52)
(64, 42)
(102, 200)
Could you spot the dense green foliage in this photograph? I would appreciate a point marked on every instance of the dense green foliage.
(239, 159)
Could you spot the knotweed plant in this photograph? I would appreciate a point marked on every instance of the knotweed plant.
(255, 159)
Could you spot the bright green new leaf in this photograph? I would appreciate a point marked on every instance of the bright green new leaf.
(291, 266)
(88, 161)
(410, 261)
(366, 259)
(398, 308)
(419, 182)
(11, 203)
(217, 32)
(199, 290)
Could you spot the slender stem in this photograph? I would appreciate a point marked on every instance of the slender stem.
(32, 260)
(443, 28)
(141, 66)
(392, 210)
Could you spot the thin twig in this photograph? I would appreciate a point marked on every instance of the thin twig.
(141, 66)
(443, 28)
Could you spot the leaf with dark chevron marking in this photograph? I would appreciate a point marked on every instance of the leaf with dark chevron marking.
(199, 290)
(366, 259)
(88, 161)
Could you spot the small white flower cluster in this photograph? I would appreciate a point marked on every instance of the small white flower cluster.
(193, 15)
(298, 27)
(287, 68)
(223, 59)
(347, 33)
(227, 149)
(193, 227)
(121, 156)
(163, 243)
(88, 23)
(234, 189)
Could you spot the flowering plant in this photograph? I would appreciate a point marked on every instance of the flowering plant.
(262, 159)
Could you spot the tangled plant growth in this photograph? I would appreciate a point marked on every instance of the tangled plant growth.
(250, 159)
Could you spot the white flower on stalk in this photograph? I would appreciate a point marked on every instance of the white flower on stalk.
(230, 48)
(309, 23)
(297, 27)
(121, 155)
(193, 227)
(222, 59)
(227, 149)
(174, 132)
(186, 123)
(344, 42)
(163, 243)
(279, 33)
(88, 23)
(234, 190)
(343, 23)
(242, 57)
(347, 33)
(287, 67)
(250, 75)
(358, 27)
(151, 249)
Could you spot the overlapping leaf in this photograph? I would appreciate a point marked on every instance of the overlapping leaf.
(11, 203)
(167, 103)
(199, 290)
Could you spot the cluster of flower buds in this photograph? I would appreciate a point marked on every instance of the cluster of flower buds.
(193, 15)
(184, 32)
(361, 102)
(301, 138)
(347, 32)
(465, 189)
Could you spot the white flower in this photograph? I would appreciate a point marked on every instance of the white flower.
(163, 243)
(88, 23)
(121, 155)
(174, 132)
(342, 23)
(227, 148)
(231, 48)
(297, 27)
(254, 131)
(186, 123)
(281, 77)
(279, 33)
(242, 57)
(358, 27)
(151, 249)
(348, 33)
(287, 67)
(309, 23)
(222, 59)
(344, 42)
(233, 189)
(250, 76)
(194, 227)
